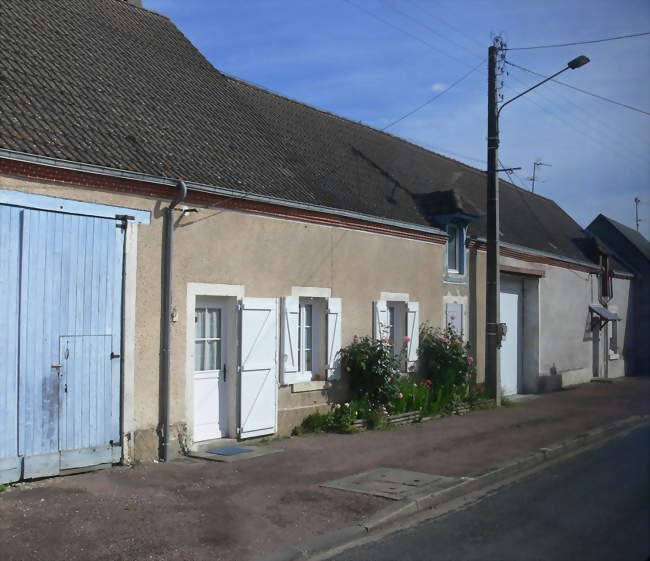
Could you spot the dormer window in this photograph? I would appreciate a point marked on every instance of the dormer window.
(453, 252)
(456, 248)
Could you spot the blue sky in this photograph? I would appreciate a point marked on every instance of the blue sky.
(375, 60)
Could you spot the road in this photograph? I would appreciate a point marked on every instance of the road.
(592, 507)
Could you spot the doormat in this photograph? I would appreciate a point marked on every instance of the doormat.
(229, 450)
(391, 483)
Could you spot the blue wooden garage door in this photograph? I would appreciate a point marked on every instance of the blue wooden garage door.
(60, 318)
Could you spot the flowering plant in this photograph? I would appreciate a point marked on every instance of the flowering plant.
(372, 370)
(445, 366)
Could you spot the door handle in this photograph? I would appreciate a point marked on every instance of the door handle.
(57, 365)
(224, 373)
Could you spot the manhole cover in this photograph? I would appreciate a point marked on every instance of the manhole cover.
(391, 483)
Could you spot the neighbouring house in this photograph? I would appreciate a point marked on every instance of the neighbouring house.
(630, 248)
(290, 231)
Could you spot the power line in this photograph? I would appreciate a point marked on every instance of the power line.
(402, 30)
(580, 114)
(463, 77)
(578, 42)
(432, 30)
(580, 90)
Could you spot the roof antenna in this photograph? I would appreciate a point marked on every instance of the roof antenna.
(638, 220)
(538, 162)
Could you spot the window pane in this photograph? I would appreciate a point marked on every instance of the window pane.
(199, 355)
(308, 316)
(308, 365)
(213, 355)
(214, 323)
(452, 247)
(391, 323)
(199, 322)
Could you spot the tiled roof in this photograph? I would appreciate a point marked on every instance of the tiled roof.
(108, 83)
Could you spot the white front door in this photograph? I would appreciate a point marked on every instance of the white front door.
(511, 313)
(210, 368)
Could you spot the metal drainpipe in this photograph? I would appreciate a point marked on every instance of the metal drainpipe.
(165, 338)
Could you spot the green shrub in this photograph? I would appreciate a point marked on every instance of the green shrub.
(316, 422)
(372, 371)
(445, 367)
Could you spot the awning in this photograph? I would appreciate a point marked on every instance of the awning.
(604, 313)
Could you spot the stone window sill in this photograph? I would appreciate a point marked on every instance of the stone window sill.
(309, 386)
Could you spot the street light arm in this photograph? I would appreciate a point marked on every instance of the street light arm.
(532, 88)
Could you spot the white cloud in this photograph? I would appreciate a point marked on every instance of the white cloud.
(439, 86)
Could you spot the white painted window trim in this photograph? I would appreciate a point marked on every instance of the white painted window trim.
(194, 290)
(311, 292)
(128, 349)
(394, 296)
(464, 301)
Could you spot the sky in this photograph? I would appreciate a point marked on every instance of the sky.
(374, 61)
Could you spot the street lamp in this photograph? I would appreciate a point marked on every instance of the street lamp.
(494, 329)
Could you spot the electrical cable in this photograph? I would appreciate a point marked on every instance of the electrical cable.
(580, 90)
(463, 77)
(578, 42)
(401, 30)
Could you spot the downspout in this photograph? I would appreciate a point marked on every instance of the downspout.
(165, 337)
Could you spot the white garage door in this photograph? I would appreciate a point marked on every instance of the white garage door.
(511, 313)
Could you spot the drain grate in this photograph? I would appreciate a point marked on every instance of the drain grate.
(391, 483)
(229, 451)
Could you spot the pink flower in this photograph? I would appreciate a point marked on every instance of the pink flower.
(470, 359)
(429, 382)
(452, 317)
(406, 339)
(355, 339)
(446, 340)
(401, 395)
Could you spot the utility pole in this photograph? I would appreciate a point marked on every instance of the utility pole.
(636, 211)
(492, 375)
(536, 164)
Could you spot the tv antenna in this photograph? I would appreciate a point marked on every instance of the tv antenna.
(536, 164)
(638, 220)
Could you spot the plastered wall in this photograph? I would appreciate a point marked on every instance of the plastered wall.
(268, 256)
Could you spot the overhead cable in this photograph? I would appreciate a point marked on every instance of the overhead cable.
(580, 90)
(578, 42)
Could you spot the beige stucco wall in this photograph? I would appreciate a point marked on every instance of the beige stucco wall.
(268, 256)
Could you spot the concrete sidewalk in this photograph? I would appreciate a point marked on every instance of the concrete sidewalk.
(196, 509)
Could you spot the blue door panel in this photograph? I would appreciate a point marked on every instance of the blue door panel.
(10, 230)
(60, 321)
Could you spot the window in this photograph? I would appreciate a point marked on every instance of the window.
(397, 324)
(605, 277)
(311, 339)
(613, 336)
(207, 342)
(452, 248)
(456, 248)
(306, 337)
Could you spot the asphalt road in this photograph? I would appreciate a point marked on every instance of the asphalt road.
(592, 507)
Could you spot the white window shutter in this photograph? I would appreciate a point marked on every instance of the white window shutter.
(413, 332)
(333, 338)
(454, 317)
(289, 361)
(258, 399)
(381, 329)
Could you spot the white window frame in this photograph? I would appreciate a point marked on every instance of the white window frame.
(459, 244)
(219, 339)
(318, 343)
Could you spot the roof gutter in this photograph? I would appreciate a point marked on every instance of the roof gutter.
(212, 189)
(531, 251)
